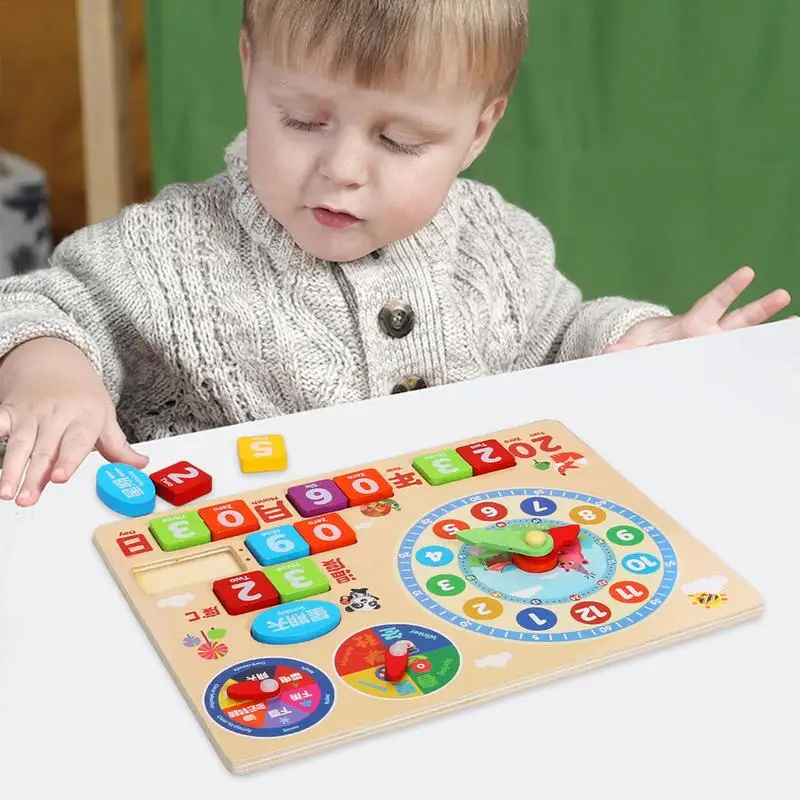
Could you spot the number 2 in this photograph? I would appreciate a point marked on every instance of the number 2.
(485, 453)
(180, 477)
(243, 591)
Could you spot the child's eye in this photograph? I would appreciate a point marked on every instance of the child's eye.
(291, 122)
(406, 149)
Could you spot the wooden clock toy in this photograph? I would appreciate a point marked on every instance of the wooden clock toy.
(310, 613)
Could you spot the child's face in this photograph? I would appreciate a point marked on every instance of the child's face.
(386, 159)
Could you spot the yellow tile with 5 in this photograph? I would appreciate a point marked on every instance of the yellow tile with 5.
(262, 453)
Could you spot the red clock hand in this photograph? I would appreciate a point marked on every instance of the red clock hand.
(563, 536)
(254, 690)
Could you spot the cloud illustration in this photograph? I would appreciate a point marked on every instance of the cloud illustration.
(496, 660)
(176, 601)
(713, 585)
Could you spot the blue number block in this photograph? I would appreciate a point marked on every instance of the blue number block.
(299, 621)
(276, 545)
(126, 490)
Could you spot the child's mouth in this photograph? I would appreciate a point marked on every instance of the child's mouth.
(334, 219)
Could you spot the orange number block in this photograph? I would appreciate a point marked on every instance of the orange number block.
(366, 486)
(229, 519)
(328, 532)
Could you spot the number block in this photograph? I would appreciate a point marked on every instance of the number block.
(320, 497)
(179, 531)
(327, 532)
(229, 519)
(298, 579)
(262, 453)
(276, 545)
(443, 467)
(486, 456)
(181, 483)
(243, 593)
(366, 486)
(126, 490)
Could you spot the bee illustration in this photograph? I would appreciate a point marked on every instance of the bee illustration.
(709, 599)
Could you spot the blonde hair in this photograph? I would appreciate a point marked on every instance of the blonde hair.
(381, 43)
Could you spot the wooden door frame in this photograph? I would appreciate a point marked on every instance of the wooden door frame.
(105, 107)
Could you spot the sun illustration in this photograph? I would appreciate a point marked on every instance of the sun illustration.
(709, 599)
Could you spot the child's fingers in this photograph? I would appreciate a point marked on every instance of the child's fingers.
(114, 446)
(42, 455)
(758, 311)
(77, 442)
(5, 421)
(18, 450)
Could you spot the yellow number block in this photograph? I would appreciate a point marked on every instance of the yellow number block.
(262, 453)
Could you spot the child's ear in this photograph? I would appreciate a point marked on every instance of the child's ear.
(246, 57)
(487, 122)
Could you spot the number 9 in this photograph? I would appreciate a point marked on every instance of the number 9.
(278, 543)
(319, 496)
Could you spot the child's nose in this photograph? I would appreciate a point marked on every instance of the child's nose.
(344, 163)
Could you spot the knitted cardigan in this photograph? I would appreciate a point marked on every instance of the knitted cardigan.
(199, 310)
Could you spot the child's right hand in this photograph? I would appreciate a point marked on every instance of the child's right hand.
(55, 410)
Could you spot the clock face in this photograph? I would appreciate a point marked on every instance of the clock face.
(618, 571)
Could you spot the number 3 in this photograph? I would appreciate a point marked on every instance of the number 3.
(297, 579)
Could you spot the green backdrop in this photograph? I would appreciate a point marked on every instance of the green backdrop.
(657, 139)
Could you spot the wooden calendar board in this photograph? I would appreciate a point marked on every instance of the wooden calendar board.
(475, 625)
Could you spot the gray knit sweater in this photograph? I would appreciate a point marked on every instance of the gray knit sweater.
(199, 310)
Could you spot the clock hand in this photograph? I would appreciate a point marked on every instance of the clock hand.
(532, 550)
(562, 536)
(527, 540)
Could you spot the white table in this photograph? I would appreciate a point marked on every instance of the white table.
(709, 429)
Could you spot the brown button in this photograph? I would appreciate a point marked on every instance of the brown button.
(396, 319)
(409, 384)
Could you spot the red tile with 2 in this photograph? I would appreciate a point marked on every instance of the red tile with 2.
(243, 593)
(486, 456)
(181, 483)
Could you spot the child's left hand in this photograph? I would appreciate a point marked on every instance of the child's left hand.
(707, 315)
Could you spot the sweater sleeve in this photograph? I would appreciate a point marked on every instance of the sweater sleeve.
(561, 326)
(77, 298)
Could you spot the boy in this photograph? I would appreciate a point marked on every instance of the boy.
(338, 257)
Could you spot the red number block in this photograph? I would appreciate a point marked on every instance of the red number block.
(366, 486)
(486, 456)
(328, 532)
(229, 519)
(243, 593)
(181, 483)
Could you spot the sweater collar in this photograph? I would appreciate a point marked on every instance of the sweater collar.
(427, 243)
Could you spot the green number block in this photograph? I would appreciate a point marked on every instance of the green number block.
(443, 467)
(178, 531)
(297, 579)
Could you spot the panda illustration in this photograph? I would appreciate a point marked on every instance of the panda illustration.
(360, 600)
